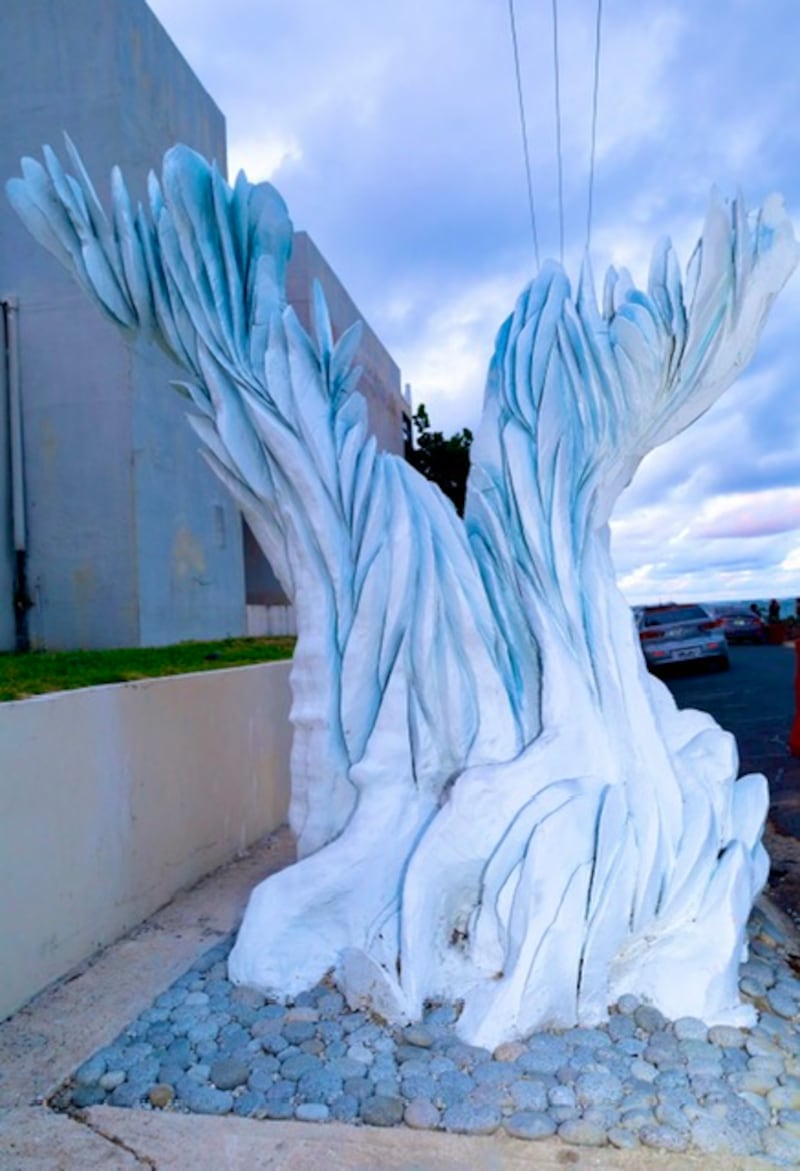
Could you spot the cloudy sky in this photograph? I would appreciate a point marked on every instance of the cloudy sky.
(392, 130)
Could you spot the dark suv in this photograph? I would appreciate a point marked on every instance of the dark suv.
(676, 633)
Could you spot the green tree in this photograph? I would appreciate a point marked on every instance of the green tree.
(445, 461)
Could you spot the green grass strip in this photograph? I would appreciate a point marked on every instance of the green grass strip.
(41, 672)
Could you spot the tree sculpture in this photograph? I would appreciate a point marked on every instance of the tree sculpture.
(493, 800)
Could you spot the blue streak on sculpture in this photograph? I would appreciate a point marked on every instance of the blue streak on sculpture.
(493, 800)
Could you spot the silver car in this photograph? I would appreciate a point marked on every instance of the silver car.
(675, 633)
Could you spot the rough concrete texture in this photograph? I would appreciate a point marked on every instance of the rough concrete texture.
(50, 1037)
(37, 1140)
(34, 1138)
(45, 1042)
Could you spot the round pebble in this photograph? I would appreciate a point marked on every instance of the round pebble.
(470, 1118)
(624, 1140)
(91, 1071)
(790, 1120)
(544, 1053)
(528, 1095)
(83, 1096)
(418, 1036)
(494, 1073)
(312, 1112)
(689, 1028)
(509, 1051)
(127, 1094)
(421, 1114)
(161, 1095)
(620, 1026)
(596, 1089)
(359, 1087)
(648, 1018)
(345, 1108)
(530, 1124)
(109, 1081)
(782, 1145)
(250, 1104)
(382, 1110)
(643, 1071)
(783, 1005)
(320, 1085)
(783, 1098)
(726, 1037)
(247, 998)
(229, 1073)
(361, 1053)
(582, 1133)
(562, 1096)
(206, 1047)
(664, 1138)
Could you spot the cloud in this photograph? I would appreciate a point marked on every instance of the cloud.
(747, 515)
(264, 157)
(393, 133)
(447, 355)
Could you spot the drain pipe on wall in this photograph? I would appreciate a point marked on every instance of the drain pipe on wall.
(22, 601)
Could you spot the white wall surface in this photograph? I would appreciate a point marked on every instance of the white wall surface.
(114, 798)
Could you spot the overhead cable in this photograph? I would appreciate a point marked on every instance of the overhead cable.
(594, 121)
(557, 84)
(524, 129)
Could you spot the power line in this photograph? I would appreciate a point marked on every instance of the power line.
(524, 129)
(557, 83)
(594, 121)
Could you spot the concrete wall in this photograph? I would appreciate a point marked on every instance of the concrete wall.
(380, 385)
(188, 544)
(380, 379)
(132, 540)
(7, 630)
(114, 798)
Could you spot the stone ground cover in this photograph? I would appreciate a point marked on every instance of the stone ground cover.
(641, 1080)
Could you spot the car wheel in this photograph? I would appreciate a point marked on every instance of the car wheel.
(723, 663)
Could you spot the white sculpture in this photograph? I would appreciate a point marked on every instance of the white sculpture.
(493, 800)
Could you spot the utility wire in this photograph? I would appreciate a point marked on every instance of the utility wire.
(594, 121)
(557, 82)
(524, 129)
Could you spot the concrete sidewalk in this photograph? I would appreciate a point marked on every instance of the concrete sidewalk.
(45, 1042)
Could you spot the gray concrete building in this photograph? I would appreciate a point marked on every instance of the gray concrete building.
(113, 532)
(388, 411)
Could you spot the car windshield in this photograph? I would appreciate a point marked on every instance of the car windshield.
(674, 614)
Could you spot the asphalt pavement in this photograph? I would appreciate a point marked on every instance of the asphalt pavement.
(755, 700)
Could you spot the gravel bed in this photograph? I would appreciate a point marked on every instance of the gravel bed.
(207, 1047)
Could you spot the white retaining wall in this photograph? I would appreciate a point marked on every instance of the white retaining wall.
(271, 621)
(114, 798)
